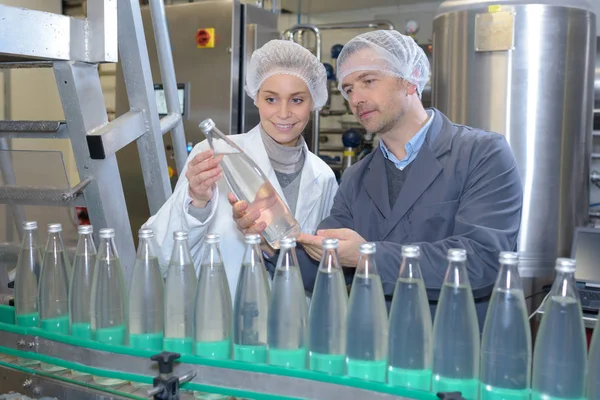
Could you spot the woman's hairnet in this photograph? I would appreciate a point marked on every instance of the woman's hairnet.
(286, 57)
(387, 51)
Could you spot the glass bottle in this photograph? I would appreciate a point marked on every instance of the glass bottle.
(456, 333)
(213, 304)
(327, 314)
(506, 340)
(251, 306)
(593, 382)
(248, 182)
(560, 355)
(287, 322)
(146, 296)
(80, 293)
(26, 282)
(367, 321)
(180, 290)
(410, 345)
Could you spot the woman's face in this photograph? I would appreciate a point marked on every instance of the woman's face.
(284, 104)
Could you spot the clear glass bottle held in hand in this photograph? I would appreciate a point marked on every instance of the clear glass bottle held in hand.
(327, 315)
(287, 323)
(213, 304)
(560, 355)
(456, 333)
(146, 296)
(249, 183)
(367, 337)
(410, 345)
(180, 290)
(251, 306)
(506, 341)
(26, 282)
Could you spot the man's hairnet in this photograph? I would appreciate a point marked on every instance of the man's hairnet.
(387, 51)
(286, 57)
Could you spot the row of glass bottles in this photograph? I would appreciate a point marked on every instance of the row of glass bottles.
(276, 324)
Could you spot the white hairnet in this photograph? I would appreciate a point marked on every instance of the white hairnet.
(387, 51)
(286, 57)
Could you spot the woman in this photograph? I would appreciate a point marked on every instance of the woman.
(286, 83)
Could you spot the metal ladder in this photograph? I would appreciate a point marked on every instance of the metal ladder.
(73, 48)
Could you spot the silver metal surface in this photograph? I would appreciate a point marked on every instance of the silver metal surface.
(137, 94)
(39, 196)
(374, 24)
(7, 173)
(539, 96)
(597, 76)
(52, 36)
(108, 139)
(39, 385)
(169, 121)
(212, 80)
(167, 72)
(256, 382)
(33, 130)
(83, 104)
(316, 119)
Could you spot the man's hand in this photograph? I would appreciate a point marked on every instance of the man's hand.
(202, 174)
(246, 222)
(349, 242)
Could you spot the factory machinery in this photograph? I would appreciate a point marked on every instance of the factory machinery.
(492, 68)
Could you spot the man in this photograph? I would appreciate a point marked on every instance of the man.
(430, 182)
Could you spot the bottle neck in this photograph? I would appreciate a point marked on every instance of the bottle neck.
(253, 255)
(54, 243)
(107, 249)
(508, 277)
(409, 268)
(287, 259)
(85, 246)
(330, 260)
(29, 239)
(366, 265)
(456, 275)
(181, 253)
(212, 255)
(564, 285)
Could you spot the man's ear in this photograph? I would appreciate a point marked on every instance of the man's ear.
(410, 88)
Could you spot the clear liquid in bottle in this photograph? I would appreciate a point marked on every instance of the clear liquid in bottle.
(213, 304)
(287, 322)
(180, 290)
(410, 345)
(251, 306)
(53, 292)
(80, 288)
(249, 183)
(146, 296)
(560, 356)
(506, 340)
(109, 299)
(26, 282)
(367, 321)
(327, 314)
(456, 333)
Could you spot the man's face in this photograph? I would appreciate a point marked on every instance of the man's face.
(378, 100)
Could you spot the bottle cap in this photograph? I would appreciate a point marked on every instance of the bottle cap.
(411, 251)
(212, 238)
(107, 233)
(145, 233)
(29, 225)
(457, 255)
(180, 235)
(252, 239)
(367, 248)
(207, 125)
(85, 229)
(565, 265)
(330, 243)
(54, 228)
(509, 257)
(287, 243)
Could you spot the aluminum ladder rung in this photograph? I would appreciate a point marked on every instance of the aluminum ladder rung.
(34, 130)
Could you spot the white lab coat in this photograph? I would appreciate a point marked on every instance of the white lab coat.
(318, 186)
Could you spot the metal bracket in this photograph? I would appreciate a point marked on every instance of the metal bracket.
(112, 137)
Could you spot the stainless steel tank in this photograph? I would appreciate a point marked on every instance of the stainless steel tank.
(526, 71)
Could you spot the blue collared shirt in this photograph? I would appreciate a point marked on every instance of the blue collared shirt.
(412, 147)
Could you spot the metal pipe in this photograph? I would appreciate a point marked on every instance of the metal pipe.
(375, 24)
(169, 121)
(289, 35)
(167, 73)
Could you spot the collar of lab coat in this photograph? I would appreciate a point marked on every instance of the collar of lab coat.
(309, 191)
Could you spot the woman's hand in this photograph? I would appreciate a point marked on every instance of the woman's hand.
(202, 173)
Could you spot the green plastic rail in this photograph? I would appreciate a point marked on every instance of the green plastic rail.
(7, 324)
